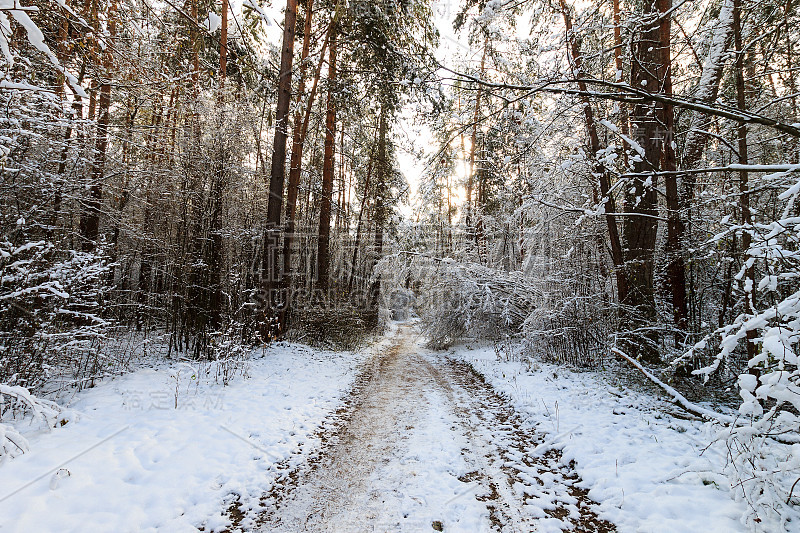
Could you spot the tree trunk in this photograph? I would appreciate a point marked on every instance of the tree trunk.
(474, 139)
(603, 174)
(641, 224)
(748, 282)
(329, 161)
(300, 132)
(298, 139)
(90, 218)
(195, 48)
(697, 136)
(676, 268)
(270, 270)
(790, 74)
(361, 216)
(77, 109)
(380, 215)
(223, 44)
(623, 108)
(61, 51)
(706, 93)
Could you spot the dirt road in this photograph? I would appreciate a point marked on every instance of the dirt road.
(424, 444)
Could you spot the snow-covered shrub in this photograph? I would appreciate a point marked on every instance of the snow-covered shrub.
(574, 333)
(49, 313)
(11, 443)
(230, 355)
(17, 403)
(51, 294)
(763, 472)
(343, 326)
(456, 300)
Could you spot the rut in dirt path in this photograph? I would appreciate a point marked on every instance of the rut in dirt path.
(425, 444)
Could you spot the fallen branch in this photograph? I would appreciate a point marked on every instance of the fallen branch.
(696, 409)
(11, 443)
(677, 396)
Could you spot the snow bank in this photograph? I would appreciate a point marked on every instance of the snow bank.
(132, 461)
(650, 471)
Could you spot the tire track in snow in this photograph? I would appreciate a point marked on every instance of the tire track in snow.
(380, 466)
(533, 492)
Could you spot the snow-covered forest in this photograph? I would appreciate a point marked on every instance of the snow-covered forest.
(560, 239)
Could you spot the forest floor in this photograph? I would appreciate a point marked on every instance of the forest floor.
(425, 444)
(392, 438)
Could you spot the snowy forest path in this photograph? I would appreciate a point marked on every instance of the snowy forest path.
(425, 444)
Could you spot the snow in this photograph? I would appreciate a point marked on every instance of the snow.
(428, 475)
(715, 59)
(251, 4)
(420, 484)
(398, 463)
(168, 449)
(644, 466)
(633, 144)
(17, 86)
(213, 22)
(35, 38)
(131, 461)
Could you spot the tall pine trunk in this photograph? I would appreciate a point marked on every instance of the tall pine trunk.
(270, 269)
(298, 140)
(381, 210)
(676, 267)
(90, 218)
(603, 174)
(329, 162)
(474, 138)
(223, 44)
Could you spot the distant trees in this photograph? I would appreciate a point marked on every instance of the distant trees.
(159, 128)
(271, 274)
(145, 149)
(370, 50)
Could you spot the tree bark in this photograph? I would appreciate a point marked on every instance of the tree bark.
(706, 93)
(380, 214)
(676, 268)
(195, 48)
(298, 139)
(90, 218)
(271, 274)
(640, 227)
(748, 281)
(623, 108)
(329, 161)
(474, 138)
(697, 136)
(603, 174)
(223, 44)
(360, 220)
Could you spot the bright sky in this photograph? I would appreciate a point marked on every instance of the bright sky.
(411, 165)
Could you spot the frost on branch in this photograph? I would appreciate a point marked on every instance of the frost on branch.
(49, 319)
(11, 443)
(764, 465)
(18, 403)
(12, 10)
(461, 299)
